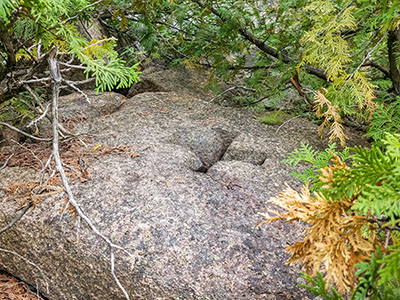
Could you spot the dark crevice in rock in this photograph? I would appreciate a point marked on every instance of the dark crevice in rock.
(202, 169)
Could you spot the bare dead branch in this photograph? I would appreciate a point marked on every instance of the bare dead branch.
(385, 71)
(45, 278)
(69, 65)
(44, 114)
(284, 123)
(231, 89)
(57, 79)
(17, 217)
(27, 50)
(24, 133)
(34, 95)
(70, 84)
(255, 102)
(364, 60)
(6, 162)
(81, 11)
(35, 80)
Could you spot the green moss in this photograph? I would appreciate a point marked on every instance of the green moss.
(273, 118)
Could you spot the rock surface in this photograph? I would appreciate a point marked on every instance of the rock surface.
(187, 206)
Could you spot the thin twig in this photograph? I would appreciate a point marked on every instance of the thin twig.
(26, 148)
(35, 96)
(24, 133)
(220, 94)
(6, 162)
(287, 121)
(231, 89)
(81, 11)
(70, 84)
(255, 102)
(112, 258)
(17, 217)
(69, 65)
(364, 60)
(45, 278)
(35, 80)
(43, 171)
(34, 122)
(27, 50)
(80, 82)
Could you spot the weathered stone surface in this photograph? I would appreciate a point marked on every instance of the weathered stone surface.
(75, 108)
(207, 143)
(171, 80)
(95, 105)
(191, 216)
(248, 148)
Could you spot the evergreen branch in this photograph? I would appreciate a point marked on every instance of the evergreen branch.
(99, 42)
(364, 60)
(379, 67)
(263, 46)
(335, 18)
(81, 11)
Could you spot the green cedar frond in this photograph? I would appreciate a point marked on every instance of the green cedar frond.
(6, 7)
(318, 286)
(386, 119)
(315, 160)
(390, 271)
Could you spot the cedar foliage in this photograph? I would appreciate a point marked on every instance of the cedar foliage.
(29, 29)
(353, 217)
(344, 50)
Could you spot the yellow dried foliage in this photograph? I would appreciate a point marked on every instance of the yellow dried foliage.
(332, 120)
(327, 172)
(333, 242)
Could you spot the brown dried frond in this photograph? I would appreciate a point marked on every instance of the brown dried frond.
(333, 243)
(327, 172)
(23, 191)
(71, 211)
(73, 155)
(332, 120)
(31, 191)
(71, 152)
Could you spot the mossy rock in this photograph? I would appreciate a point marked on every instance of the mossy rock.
(274, 117)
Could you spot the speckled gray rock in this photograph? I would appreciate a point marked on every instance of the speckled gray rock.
(247, 147)
(207, 143)
(191, 216)
(170, 80)
(75, 108)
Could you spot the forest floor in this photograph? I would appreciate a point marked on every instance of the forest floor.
(14, 289)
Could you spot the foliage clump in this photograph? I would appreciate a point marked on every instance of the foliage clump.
(34, 31)
(352, 216)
